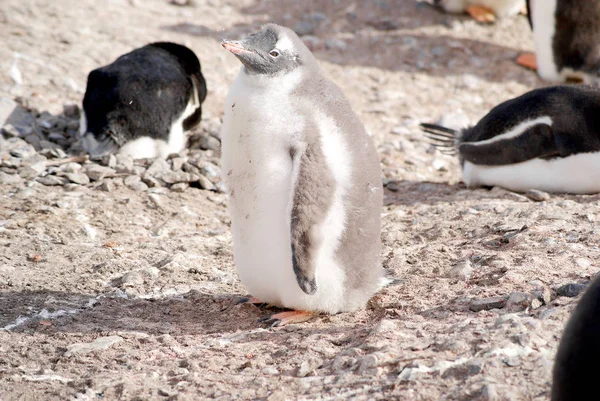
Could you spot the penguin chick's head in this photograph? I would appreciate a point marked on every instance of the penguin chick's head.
(273, 50)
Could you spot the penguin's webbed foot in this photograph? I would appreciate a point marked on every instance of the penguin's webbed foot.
(289, 317)
(527, 60)
(481, 14)
(252, 300)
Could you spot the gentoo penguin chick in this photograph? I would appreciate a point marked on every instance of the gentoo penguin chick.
(482, 10)
(304, 182)
(142, 103)
(567, 40)
(547, 139)
(576, 363)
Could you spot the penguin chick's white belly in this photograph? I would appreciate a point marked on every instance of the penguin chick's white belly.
(259, 126)
(575, 174)
(544, 26)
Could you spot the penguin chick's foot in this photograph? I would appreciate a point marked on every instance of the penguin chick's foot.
(283, 318)
(481, 14)
(527, 60)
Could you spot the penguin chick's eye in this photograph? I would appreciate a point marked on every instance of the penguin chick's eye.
(274, 53)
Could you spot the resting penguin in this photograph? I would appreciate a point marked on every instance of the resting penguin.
(567, 40)
(142, 103)
(576, 364)
(482, 10)
(304, 182)
(547, 139)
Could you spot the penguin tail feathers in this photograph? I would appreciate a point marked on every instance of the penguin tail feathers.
(444, 139)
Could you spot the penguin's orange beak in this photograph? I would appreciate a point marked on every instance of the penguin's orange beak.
(234, 46)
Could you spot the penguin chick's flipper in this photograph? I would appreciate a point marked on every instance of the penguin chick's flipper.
(535, 142)
(481, 14)
(527, 60)
(313, 193)
(289, 317)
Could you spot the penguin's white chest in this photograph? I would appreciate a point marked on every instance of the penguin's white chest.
(544, 21)
(259, 127)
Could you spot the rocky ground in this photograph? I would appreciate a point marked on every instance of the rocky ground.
(116, 275)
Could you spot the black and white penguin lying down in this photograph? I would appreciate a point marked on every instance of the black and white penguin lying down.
(142, 103)
(576, 364)
(547, 139)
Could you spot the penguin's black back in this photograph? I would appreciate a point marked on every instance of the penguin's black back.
(143, 92)
(576, 368)
(574, 110)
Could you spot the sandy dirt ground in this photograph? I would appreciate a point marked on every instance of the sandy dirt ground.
(117, 288)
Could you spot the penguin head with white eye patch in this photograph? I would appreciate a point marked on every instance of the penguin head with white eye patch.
(272, 51)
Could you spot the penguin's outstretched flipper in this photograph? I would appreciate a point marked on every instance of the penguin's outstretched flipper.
(535, 142)
(313, 192)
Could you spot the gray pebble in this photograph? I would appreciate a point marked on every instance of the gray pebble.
(97, 173)
(135, 182)
(51, 180)
(99, 344)
(132, 279)
(71, 110)
(10, 131)
(536, 195)
(33, 170)
(180, 187)
(480, 304)
(78, 178)
(462, 270)
(207, 142)
(518, 301)
(71, 167)
(570, 290)
(205, 183)
(107, 186)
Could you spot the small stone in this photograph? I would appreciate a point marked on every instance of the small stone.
(97, 173)
(71, 110)
(124, 164)
(174, 177)
(205, 183)
(517, 302)
(270, 370)
(71, 168)
(488, 393)
(51, 180)
(9, 179)
(10, 131)
(153, 182)
(570, 290)
(109, 160)
(180, 187)
(132, 279)
(210, 171)
(33, 170)
(583, 263)
(308, 366)
(536, 195)
(543, 295)
(462, 371)
(23, 151)
(462, 270)
(99, 344)
(209, 142)
(177, 163)
(107, 186)
(393, 186)
(135, 182)
(78, 178)
(385, 326)
(480, 304)
(367, 363)
(156, 200)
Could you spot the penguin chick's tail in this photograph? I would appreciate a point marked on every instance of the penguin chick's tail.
(444, 139)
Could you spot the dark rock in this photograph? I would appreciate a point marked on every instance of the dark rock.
(480, 304)
(570, 290)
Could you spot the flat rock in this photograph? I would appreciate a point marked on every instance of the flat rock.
(99, 344)
(78, 178)
(135, 182)
(462, 270)
(51, 180)
(480, 304)
(97, 173)
(9, 179)
(518, 301)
